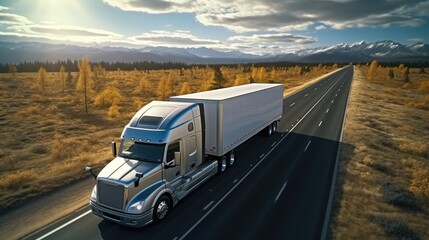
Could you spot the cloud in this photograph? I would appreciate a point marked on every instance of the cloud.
(13, 19)
(172, 38)
(70, 31)
(151, 6)
(245, 15)
(3, 8)
(275, 38)
(271, 42)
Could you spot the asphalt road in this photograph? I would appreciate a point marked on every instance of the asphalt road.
(278, 189)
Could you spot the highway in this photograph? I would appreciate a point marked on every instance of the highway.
(278, 189)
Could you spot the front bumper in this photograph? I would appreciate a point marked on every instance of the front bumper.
(131, 220)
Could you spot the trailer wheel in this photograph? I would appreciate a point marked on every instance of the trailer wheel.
(161, 209)
(222, 163)
(232, 156)
(274, 126)
(269, 130)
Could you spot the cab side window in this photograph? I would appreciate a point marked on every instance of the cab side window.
(172, 148)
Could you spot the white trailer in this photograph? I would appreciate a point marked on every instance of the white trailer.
(235, 114)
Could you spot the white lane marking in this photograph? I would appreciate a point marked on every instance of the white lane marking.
(208, 205)
(253, 168)
(320, 123)
(336, 95)
(332, 101)
(274, 143)
(235, 181)
(306, 95)
(315, 88)
(65, 225)
(308, 144)
(291, 104)
(262, 155)
(281, 190)
(175, 238)
(327, 110)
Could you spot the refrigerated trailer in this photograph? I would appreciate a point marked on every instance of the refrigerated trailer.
(169, 148)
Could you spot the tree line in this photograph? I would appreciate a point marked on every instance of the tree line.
(73, 66)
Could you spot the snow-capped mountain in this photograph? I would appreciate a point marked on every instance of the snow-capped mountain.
(383, 50)
(344, 52)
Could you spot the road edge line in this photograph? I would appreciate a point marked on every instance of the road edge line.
(64, 225)
(327, 220)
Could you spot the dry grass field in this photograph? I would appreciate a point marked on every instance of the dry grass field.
(48, 139)
(382, 190)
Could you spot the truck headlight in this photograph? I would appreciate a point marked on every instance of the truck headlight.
(136, 207)
(94, 194)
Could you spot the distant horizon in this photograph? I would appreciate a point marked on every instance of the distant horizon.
(255, 27)
(106, 45)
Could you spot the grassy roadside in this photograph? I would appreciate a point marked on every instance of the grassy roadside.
(382, 190)
(52, 140)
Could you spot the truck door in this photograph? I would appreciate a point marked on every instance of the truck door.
(173, 172)
(191, 153)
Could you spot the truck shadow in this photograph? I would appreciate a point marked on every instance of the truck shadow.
(300, 216)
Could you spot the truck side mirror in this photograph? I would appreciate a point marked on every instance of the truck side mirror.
(138, 176)
(177, 157)
(90, 170)
(114, 149)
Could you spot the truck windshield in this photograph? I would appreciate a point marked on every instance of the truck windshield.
(142, 151)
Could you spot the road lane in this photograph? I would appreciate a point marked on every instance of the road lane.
(278, 188)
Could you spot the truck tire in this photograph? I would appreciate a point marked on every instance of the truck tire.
(161, 208)
(221, 164)
(274, 126)
(232, 157)
(269, 130)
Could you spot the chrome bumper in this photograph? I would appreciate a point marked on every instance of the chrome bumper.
(131, 220)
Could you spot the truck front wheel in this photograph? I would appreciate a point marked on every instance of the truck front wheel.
(161, 209)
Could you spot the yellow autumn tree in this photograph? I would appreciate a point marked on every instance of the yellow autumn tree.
(39, 85)
(62, 77)
(164, 90)
(372, 69)
(240, 79)
(185, 89)
(85, 84)
(108, 97)
(113, 111)
(143, 87)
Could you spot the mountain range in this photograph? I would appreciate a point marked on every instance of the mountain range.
(11, 52)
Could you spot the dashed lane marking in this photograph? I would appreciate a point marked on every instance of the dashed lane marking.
(208, 205)
(306, 147)
(281, 190)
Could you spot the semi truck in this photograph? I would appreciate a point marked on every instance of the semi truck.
(169, 148)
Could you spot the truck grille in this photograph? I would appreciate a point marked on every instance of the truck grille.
(111, 194)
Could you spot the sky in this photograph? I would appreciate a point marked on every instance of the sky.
(251, 26)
